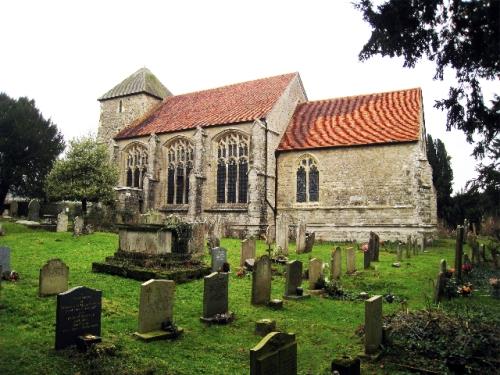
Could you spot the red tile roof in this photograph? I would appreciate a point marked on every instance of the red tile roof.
(240, 102)
(356, 120)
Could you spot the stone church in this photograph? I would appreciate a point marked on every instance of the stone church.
(251, 151)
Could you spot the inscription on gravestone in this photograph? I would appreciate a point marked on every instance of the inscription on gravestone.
(5, 259)
(275, 354)
(78, 313)
(219, 257)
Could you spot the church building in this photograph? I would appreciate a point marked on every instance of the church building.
(251, 151)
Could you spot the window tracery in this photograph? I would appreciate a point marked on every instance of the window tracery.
(180, 164)
(307, 179)
(137, 165)
(232, 168)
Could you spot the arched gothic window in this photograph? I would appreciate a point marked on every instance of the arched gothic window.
(232, 168)
(307, 179)
(180, 163)
(137, 165)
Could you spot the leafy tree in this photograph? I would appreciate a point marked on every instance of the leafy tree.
(442, 176)
(29, 144)
(460, 36)
(85, 174)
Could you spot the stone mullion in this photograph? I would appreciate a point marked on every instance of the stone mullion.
(175, 184)
(237, 193)
(226, 164)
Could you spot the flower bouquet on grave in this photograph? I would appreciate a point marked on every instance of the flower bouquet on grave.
(465, 290)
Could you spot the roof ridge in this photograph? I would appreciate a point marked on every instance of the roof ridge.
(360, 95)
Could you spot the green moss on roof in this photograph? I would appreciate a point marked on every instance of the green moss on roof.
(142, 81)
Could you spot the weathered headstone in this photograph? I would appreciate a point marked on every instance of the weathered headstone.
(275, 354)
(373, 324)
(78, 313)
(345, 365)
(366, 259)
(53, 278)
(265, 326)
(336, 264)
(399, 252)
(294, 280)
(247, 250)
(414, 245)
(270, 235)
(156, 310)
(300, 239)
(261, 281)
(282, 233)
(5, 259)
(197, 241)
(408, 247)
(62, 222)
(215, 298)
(440, 282)
(459, 251)
(14, 208)
(310, 237)
(315, 272)
(351, 260)
(219, 257)
(34, 210)
(374, 246)
(78, 225)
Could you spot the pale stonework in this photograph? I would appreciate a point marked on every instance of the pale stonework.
(315, 272)
(351, 260)
(282, 233)
(53, 278)
(301, 237)
(155, 304)
(62, 222)
(336, 266)
(373, 324)
(247, 250)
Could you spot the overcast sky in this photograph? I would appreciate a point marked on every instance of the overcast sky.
(65, 54)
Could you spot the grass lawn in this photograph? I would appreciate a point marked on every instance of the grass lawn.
(324, 327)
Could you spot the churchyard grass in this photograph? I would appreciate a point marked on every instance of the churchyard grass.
(324, 327)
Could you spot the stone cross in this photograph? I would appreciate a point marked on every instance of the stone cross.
(373, 324)
(5, 259)
(247, 250)
(261, 281)
(219, 257)
(53, 278)
(78, 225)
(293, 280)
(78, 313)
(282, 233)
(62, 222)
(215, 296)
(275, 354)
(34, 210)
(336, 264)
(315, 271)
(459, 251)
(351, 260)
(301, 237)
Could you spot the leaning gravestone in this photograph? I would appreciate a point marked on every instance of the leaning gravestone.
(247, 250)
(315, 272)
(78, 225)
(261, 281)
(300, 239)
(373, 324)
(215, 298)
(78, 313)
(62, 222)
(275, 354)
(156, 310)
(351, 260)
(294, 280)
(34, 210)
(5, 260)
(282, 233)
(219, 257)
(336, 264)
(53, 278)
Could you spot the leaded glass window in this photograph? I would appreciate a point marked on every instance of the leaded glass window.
(180, 163)
(137, 165)
(232, 168)
(307, 180)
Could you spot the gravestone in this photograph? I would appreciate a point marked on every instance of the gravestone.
(275, 354)
(483, 252)
(336, 264)
(215, 298)
(5, 260)
(261, 281)
(315, 272)
(374, 246)
(212, 242)
(414, 245)
(219, 257)
(34, 210)
(310, 237)
(247, 250)
(440, 282)
(62, 222)
(466, 231)
(282, 233)
(351, 260)
(78, 313)
(197, 241)
(265, 326)
(408, 247)
(399, 252)
(78, 225)
(345, 365)
(270, 235)
(373, 324)
(53, 278)
(366, 259)
(293, 281)
(14, 208)
(156, 304)
(459, 251)
(300, 239)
